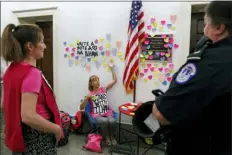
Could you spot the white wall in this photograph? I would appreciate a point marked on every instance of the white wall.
(89, 20)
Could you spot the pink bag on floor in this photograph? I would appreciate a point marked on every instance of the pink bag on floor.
(94, 143)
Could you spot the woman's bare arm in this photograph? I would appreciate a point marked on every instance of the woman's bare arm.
(31, 118)
(114, 80)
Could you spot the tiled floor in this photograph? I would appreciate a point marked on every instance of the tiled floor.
(74, 147)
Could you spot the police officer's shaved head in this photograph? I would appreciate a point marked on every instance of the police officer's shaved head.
(218, 16)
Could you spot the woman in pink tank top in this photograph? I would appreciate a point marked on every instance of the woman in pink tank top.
(101, 109)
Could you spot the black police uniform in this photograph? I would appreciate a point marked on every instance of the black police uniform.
(198, 102)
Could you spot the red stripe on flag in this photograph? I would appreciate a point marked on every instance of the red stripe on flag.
(131, 71)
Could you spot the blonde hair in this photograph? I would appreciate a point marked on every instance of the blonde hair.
(90, 80)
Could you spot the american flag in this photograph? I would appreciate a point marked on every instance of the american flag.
(136, 36)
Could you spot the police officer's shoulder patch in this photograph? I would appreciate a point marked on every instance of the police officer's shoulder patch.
(186, 73)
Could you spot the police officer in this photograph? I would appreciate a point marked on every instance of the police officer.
(198, 101)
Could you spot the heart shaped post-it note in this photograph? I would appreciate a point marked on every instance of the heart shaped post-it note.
(149, 27)
(163, 22)
(145, 70)
(150, 77)
(101, 40)
(94, 59)
(88, 68)
(152, 69)
(96, 41)
(98, 64)
(100, 48)
(152, 19)
(155, 24)
(76, 62)
(108, 36)
(162, 77)
(148, 65)
(119, 54)
(107, 52)
(114, 51)
(145, 80)
(70, 63)
(141, 74)
(143, 65)
(108, 45)
(118, 44)
(173, 18)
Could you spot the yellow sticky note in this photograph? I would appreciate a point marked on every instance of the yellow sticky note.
(77, 41)
(161, 29)
(94, 59)
(143, 65)
(145, 79)
(164, 64)
(173, 28)
(156, 73)
(156, 84)
(155, 24)
(167, 55)
(76, 62)
(166, 40)
(112, 60)
(150, 52)
(108, 69)
(119, 54)
(156, 65)
(103, 58)
(101, 40)
(171, 71)
(142, 60)
(108, 45)
(105, 65)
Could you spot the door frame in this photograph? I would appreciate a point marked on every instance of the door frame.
(49, 11)
(193, 6)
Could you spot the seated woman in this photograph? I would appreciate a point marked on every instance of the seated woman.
(101, 110)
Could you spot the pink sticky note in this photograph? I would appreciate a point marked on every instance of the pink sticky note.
(150, 77)
(66, 49)
(176, 46)
(149, 27)
(148, 65)
(152, 69)
(160, 69)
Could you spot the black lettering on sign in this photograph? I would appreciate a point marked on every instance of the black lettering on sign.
(100, 104)
(88, 49)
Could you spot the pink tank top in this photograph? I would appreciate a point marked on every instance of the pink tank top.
(100, 105)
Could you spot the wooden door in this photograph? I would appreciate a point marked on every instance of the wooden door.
(197, 26)
(46, 64)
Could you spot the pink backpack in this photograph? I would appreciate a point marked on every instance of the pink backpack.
(94, 143)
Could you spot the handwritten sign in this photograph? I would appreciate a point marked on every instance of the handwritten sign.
(158, 47)
(88, 49)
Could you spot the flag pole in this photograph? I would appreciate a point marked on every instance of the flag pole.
(134, 94)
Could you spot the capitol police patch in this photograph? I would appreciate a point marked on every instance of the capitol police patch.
(186, 73)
